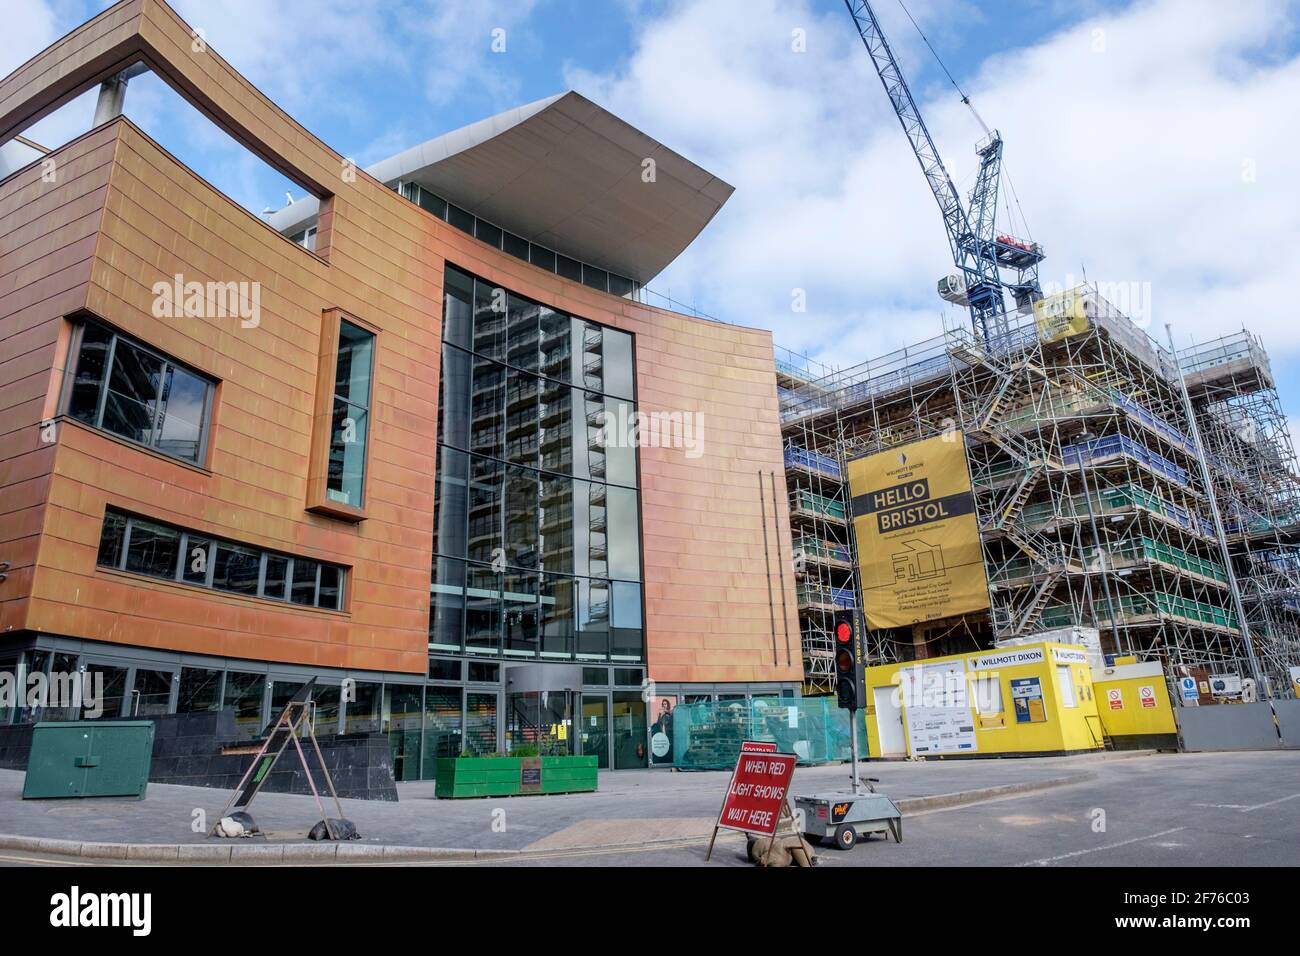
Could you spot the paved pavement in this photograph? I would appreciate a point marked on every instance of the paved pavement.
(631, 807)
(1163, 810)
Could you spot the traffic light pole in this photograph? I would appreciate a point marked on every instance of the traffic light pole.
(853, 744)
(850, 681)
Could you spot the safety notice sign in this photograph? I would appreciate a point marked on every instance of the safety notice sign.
(759, 786)
(1115, 697)
(1147, 694)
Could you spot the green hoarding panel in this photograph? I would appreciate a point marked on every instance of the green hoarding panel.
(89, 758)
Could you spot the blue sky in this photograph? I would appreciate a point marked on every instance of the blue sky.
(1153, 143)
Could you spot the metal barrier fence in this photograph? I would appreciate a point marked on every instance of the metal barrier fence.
(707, 735)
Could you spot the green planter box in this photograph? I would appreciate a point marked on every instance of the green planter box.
(503, 776)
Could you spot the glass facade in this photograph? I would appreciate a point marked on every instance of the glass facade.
(537, 530)
(517, 246)
(463, 707)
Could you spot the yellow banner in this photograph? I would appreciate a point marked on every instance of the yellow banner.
(1061, 316)
(919, 553)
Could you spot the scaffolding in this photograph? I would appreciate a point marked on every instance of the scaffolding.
(1089, 494)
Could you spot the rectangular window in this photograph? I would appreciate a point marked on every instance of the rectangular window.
(200, 691)
(462, 220)
(515, 245)
(457, 308)
(557, 616)
(127, 543)
(520, 620)
(442, 669)
(305, 238)
(596, 278)
(336, 483)
(276, 577)
(450, 504)
(481, 723)
(112, 539)
(244, 694)
(620, 286)
(543, 258)
(482, 610)
(569, 268)
(626, 640)
(303, 589)
(236, 569)
(152, 693)
(486, 232)
(593, 619)
(481, 673)
(197, 560)
(447, 606)
(442, 726)
(152, 549)
(128, 390)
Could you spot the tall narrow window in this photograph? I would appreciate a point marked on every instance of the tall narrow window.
(347, 471)
(338, 478)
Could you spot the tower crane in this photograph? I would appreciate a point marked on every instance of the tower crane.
(979, 251)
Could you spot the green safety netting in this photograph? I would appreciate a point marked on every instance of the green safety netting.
(707, 735)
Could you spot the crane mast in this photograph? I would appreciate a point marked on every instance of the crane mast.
(978, 251)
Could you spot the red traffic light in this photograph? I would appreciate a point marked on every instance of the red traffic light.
(843, 632)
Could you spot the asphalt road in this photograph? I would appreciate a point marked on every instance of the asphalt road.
(1182, 810)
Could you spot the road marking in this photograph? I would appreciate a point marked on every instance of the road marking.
(1261, 806)
(1097, 849)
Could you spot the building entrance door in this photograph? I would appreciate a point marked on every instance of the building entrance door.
(594, 731)
(630, 730)
(889, 722)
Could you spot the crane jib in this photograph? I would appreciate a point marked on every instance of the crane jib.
(972, 234)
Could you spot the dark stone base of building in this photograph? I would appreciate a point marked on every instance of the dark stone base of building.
(194, 750)
(15, 746)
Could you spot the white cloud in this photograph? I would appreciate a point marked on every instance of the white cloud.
(302, 53)
(1129, 162)
(469, 42)
(28, 28)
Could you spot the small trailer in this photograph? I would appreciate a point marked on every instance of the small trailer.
(847, 817)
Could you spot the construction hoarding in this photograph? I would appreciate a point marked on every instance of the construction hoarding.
(1061, 316)
(918, 539)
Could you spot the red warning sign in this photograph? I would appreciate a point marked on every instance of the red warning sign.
(1147, 694)
(759, 787)
(1115, 697)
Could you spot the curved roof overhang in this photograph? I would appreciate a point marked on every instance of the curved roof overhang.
(566, 174)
